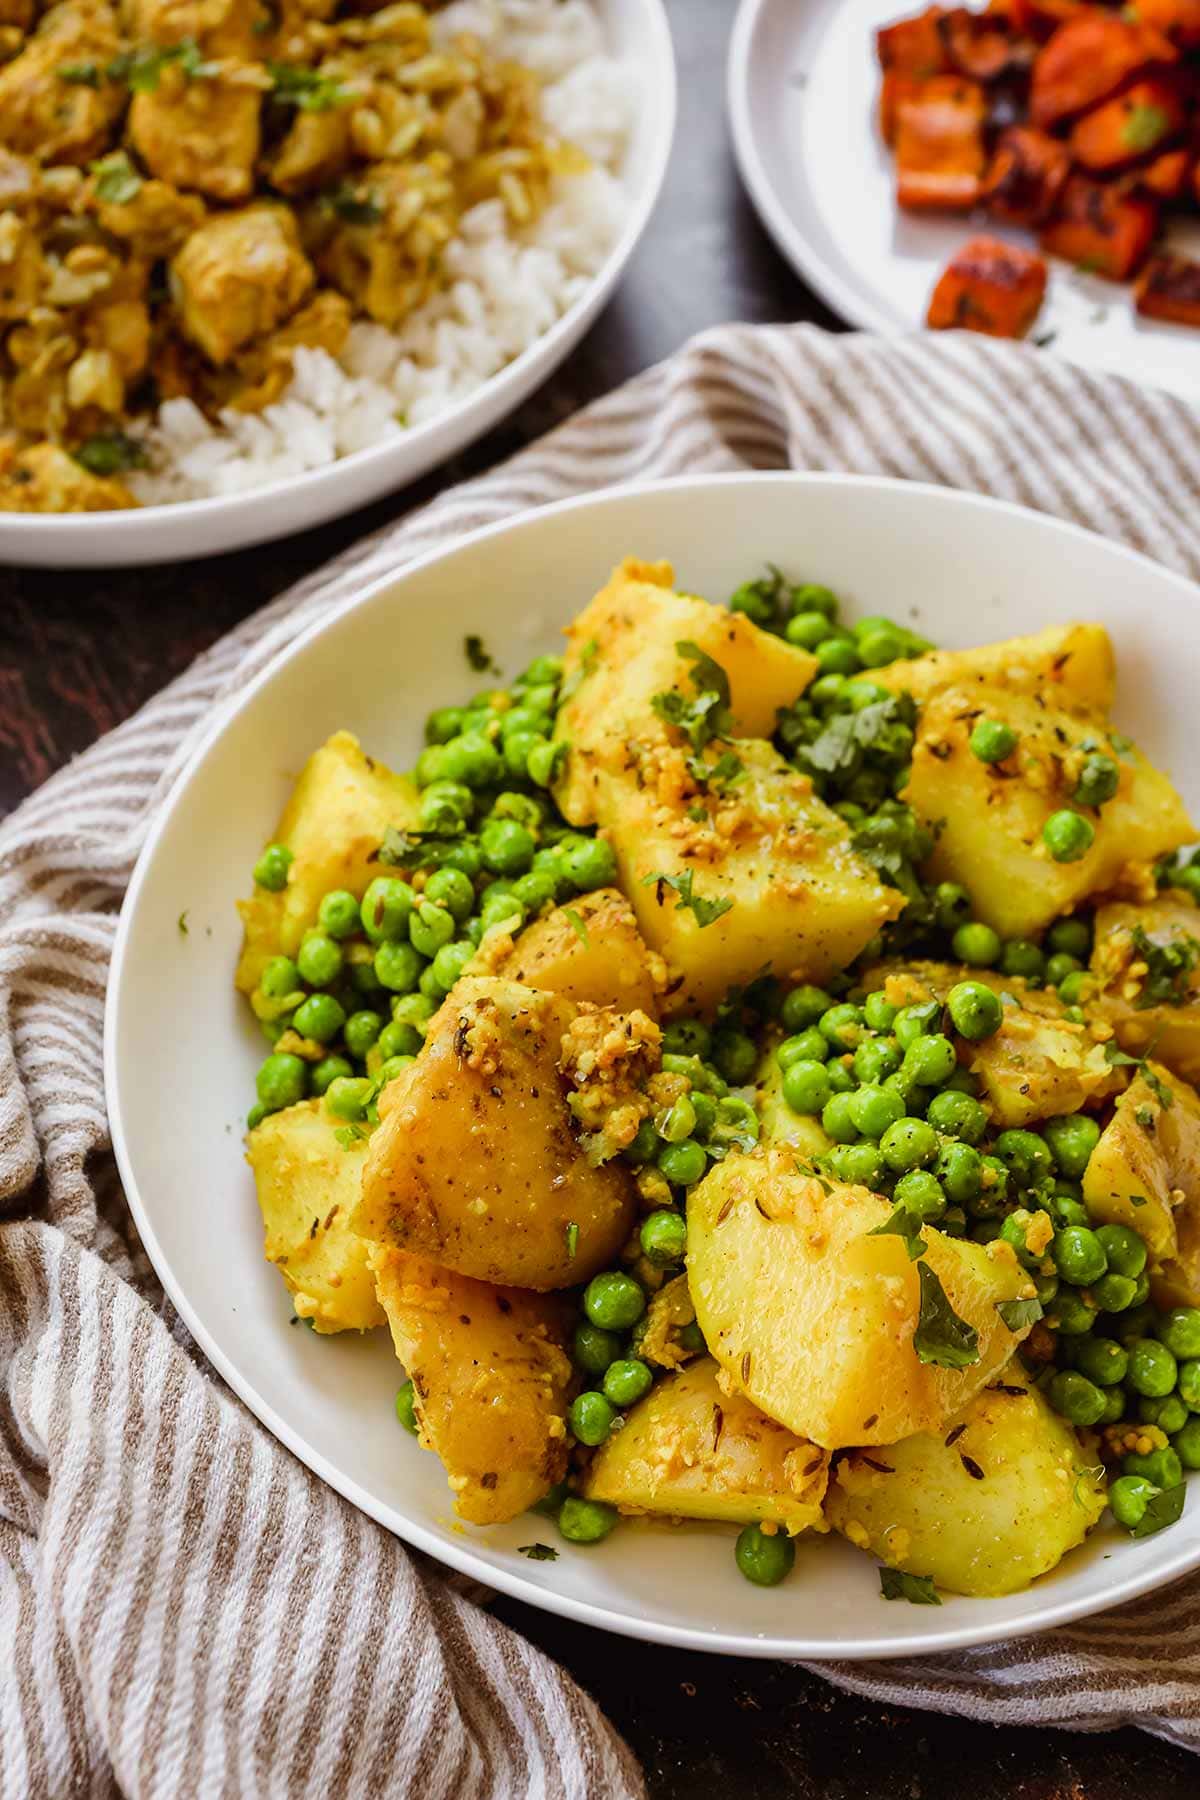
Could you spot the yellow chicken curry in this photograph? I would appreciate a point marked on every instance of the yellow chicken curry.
(190, 189)
(747, 1065)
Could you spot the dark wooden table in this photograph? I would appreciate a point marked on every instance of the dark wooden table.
(78, 652)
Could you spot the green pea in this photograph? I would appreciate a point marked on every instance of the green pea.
(1186, 1444)
(875, 1059)
(585, 1521)
(1076, 1398)
(975, 1011)
(453, 890)
(881, 644)
(645, 1146)
(507, 846)
(873, 1109)
(501, 909)
(1170, 1413)
(736, 1056)
(1013, 1231)
(464, 856)
(338, 915)
(319, 959)
(1189, 1384)
(959, 1168)
(808, 629)
(859, 1165)
(914, 1021)
(446, 806)
(1026, 1156)
(595, 1348)
(280, 977)
(837, 1118)
(1072, 1314)
(804, 1046)
(1138, 1321)
(991, 741)
(841, 1079)
(613, 1300)
(406, 1407)
(543, 671)
(958, 1116)
(471, 759)
(838, 656)
(1102, 1360)
(1152, 1368)
(397, 966)
(1179, 1329)
(591, 1417)
(806, 1087)
(627, 1381)
(1058, 967)
(1068, 836)
(1128, 1497)
(1072, 1137)
(443, 724)
(763, 1559)
(678, 1122)
(429, 928)
(271, 869)
(1113, 1293)
(329, 1070)
(542, 759)
(590, 864)
(663, 1237)
(1099, 779)
(413, 1009)
(1126, 1255)
(348, 1099)
(385, 909)
(691, 1338)
(803, 1006)
(921, 1193)
(1142, 1292)
(1078, 1255)
(361, 1031)
(687, 1037)
(1189, 881)
(1114, 1405)
(1162, 1467)
(399, 1039)
(930, 1060)
(1070, 937)
(683, 1164)
(1023, 960)
(879, 1012)
(450, 961)
(842, 1025)
(320, 1017)
(810, 596)
(909, 1144)
(976, 945)
(827, 691)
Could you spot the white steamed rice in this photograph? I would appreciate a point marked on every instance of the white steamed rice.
(507, 289)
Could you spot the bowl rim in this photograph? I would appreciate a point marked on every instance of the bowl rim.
(121, 531)
(461, 1557)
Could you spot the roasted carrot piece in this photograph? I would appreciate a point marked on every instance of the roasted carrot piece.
(1027, 174)
(1166, 177)
(984, 46)
(1040, 19)
(1178, 20)
(897, 85)
(914, 45)
(991, 287)
(1100, 229)
(1134, 124)
(1169, 288)
(940, 156)
(1087, 60)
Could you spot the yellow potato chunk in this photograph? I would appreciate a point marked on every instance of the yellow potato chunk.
(1037, 1065)
(44, 478)
(333, 824)
(308, 1186)
(1126, 958)
(490, 1377)
(622, 650)
(240, 274)
(588, 951)
(1145, 1173)
(668, 1315)
(477, 1162)
(813, 1319)
(1069, 665)
(800, 902)
(57, 121)
(991, 815)
(984, 1508)
(691, 1451)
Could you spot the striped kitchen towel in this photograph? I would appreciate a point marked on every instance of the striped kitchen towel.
(188, 1611)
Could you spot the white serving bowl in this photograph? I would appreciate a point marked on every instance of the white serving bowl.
(637, 32)
(962, 570)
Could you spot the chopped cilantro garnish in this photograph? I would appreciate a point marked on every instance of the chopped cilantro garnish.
(707, 716)
(538, 1552)
(181, 924)
(941, 1337)
(705, 911)
(478, 657)
(307, 89)
(117, 181)
(1017, 1314)
(1164, 1509)
(572, 1239)
(579, 674)
(1169, 967)
(720, 774)
(577, 926)
(403, 849)
(902, 1222)
(111, 453)
(918, 1590)
(80, 74)
(356, 205)
(141, 69)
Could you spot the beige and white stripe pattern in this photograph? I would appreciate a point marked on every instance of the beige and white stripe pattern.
(184, 1609)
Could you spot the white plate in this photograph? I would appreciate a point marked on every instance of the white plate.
(377, 666)
(802, 89)
(637, 32)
